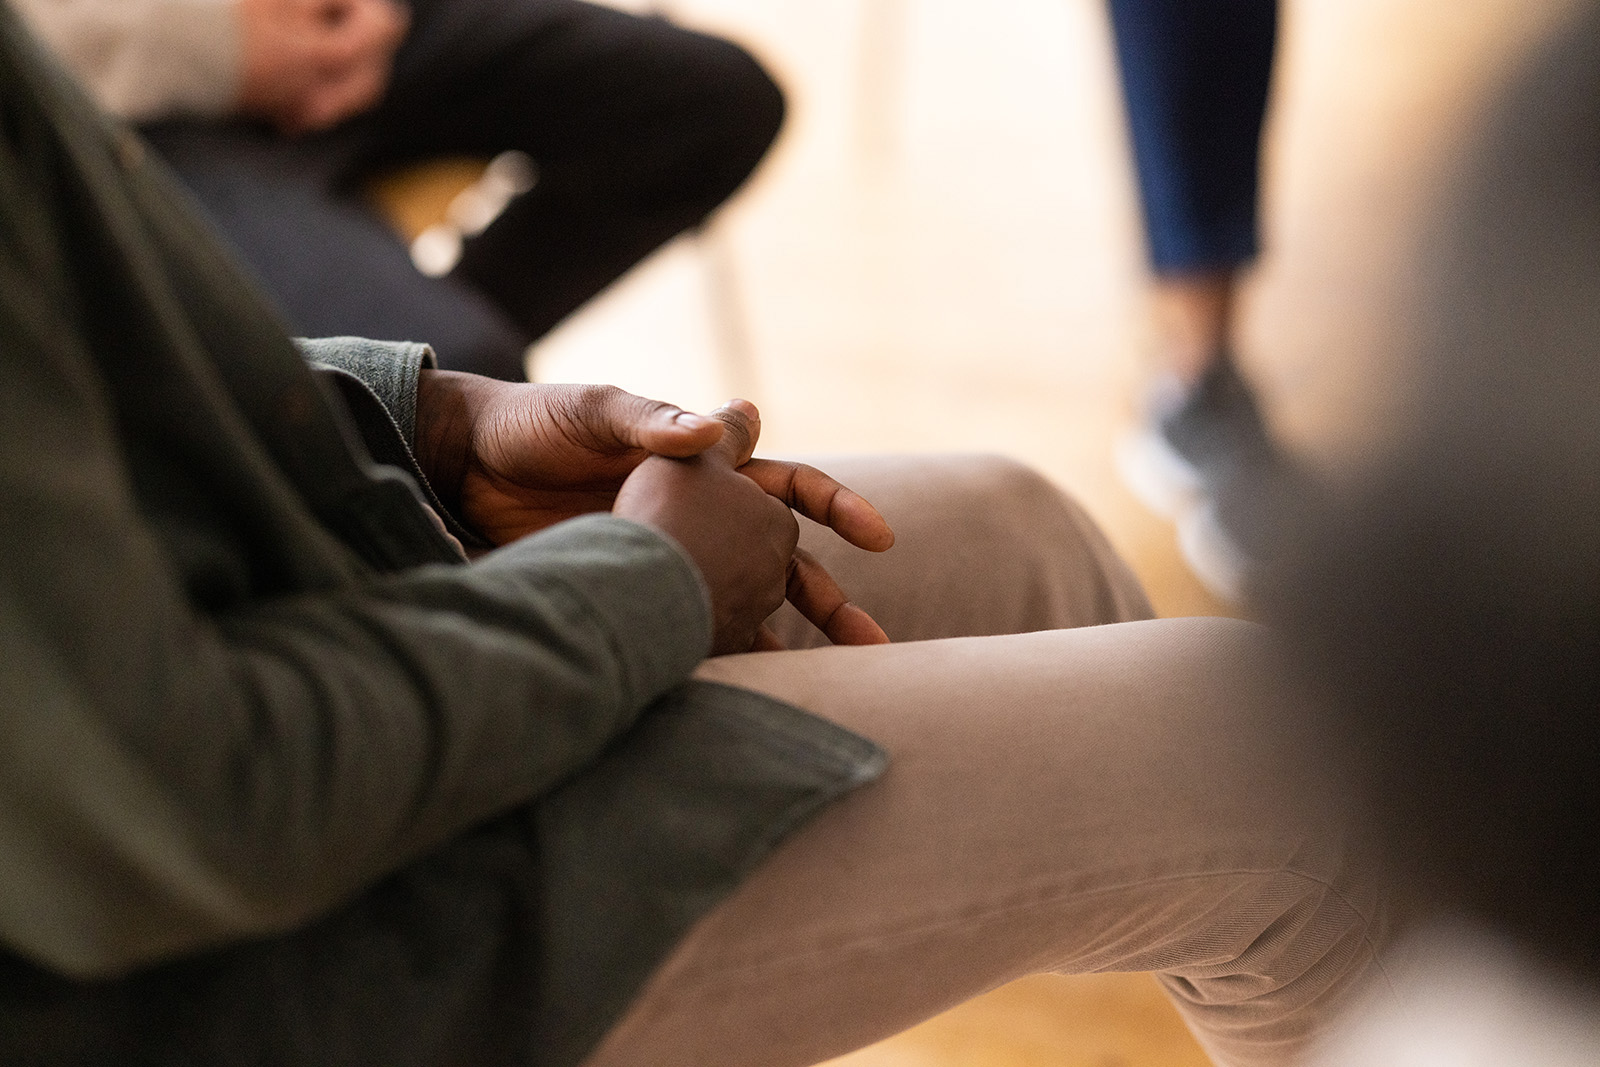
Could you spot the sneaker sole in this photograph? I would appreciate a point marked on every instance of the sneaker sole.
(1156, 474)
(1212, 556)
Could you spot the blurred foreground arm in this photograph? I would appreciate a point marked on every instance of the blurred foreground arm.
(299, 64)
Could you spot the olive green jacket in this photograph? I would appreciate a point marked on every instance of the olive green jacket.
(282, 778)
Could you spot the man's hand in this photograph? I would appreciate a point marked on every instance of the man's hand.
(309, 64)
(513, 459)
(742, 538)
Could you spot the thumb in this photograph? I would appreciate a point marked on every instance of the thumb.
(741, 430)
(660, 428)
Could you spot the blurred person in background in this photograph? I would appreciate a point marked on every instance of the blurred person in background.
(277, 113)
(1443, 601)
(1195, 78)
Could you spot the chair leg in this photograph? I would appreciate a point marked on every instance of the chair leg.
(880, 78)
(728, 312)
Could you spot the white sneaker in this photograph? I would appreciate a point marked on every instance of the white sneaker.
(1156, 474)
(1213, 556)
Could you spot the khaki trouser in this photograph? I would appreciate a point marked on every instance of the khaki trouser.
(1099, 798)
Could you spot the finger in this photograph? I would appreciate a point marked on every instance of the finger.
(741, 430)
(359, 34)
(345, 86)
(818, 597)
(621, 421)
(766, 641)
(334, 101)
(671, 431)
(823, 499)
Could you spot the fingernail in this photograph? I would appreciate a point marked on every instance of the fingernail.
(690, 421)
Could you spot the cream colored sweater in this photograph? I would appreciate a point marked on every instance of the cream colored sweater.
(146, 59)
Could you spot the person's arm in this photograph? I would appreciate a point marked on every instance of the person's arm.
(301, 65)
(174, 776)
(146, 59)
(508, 459)
(392, 370)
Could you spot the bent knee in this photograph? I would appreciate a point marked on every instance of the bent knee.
(730, 109)
(753, 102)
(986, 482)
(1001, 479)
(1027, 514)
(991, 542)
(974, 502)
(1299, 949)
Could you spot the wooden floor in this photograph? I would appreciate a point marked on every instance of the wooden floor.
(943, 254)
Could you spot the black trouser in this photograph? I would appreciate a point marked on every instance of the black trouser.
(639, 130)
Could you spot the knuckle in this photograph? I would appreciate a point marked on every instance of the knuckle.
(596, 397)
(793, 488)
(735, 442)
(790, 529)
(739, 423)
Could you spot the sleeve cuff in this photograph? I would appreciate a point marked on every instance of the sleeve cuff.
(389, 368)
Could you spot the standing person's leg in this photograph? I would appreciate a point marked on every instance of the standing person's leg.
(638, 130)
(1195, 77)
(1108, 798)
(1013, 554)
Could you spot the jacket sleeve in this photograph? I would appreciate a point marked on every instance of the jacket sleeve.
(146, 59)
(174, 777)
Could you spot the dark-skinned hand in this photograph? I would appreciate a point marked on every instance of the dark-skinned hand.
(514, 458)
(742, 538)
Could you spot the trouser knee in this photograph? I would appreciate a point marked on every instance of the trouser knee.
(1058, 557)
(727, 114)
(1279, 977)
(984, 545)
(752, 107)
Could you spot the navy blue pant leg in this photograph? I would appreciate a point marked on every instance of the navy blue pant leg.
(1195, 75)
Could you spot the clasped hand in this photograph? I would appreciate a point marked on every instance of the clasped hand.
(306, 65)
(514, 459)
